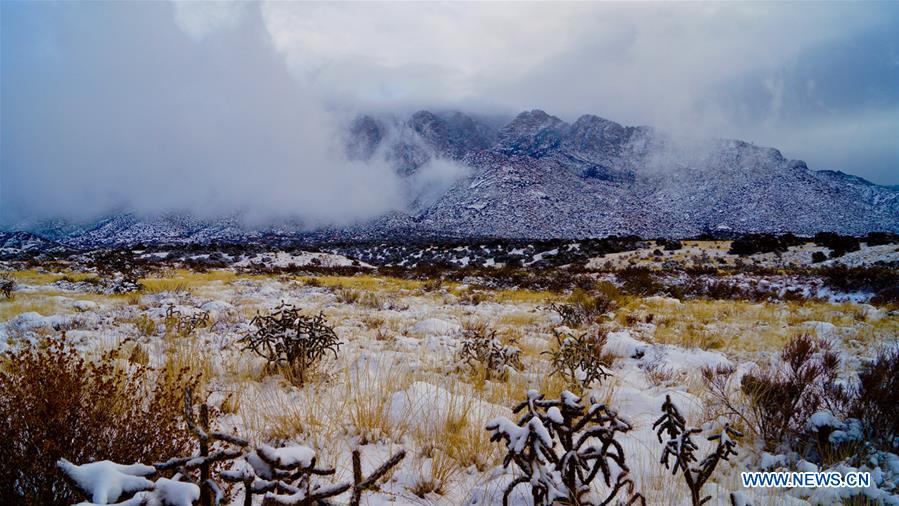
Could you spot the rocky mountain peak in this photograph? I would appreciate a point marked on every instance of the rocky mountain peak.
(451, 134)
(532, 133)
(364, 135)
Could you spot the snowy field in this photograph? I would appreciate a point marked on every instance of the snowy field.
(398, 381)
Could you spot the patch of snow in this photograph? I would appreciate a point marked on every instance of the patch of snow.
(436, 326)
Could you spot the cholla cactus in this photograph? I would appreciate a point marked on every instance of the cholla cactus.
(579, 358)
(184, 325)
(210, 451)
(678, 452)
(482, 350)
(284, 475)
(287, 337)
(560, 446)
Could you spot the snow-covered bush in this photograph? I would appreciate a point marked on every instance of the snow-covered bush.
(286, 337)
(679, 450)
(782, 396)
(579, 358)
(560, 446)
(482, 351)
(55, 404)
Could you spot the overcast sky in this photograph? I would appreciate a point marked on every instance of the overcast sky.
(217, 106)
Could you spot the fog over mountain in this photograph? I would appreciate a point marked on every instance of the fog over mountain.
(222, 108)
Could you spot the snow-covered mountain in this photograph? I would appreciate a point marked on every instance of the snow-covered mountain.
(540, 177)
(543, 177)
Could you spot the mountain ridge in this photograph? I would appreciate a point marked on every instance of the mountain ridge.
(540, 177)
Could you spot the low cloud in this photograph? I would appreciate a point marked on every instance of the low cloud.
(217, 107)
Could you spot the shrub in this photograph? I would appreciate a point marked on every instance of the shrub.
(783, 396)
(638, 281)
(560, 446)
(347, 295)
(818, 257)
(286, 337)
(483, 351)
(881, 238)
(838, 244)
(120, 268)
(7, 285)
(579, 359)
(54, 404)
(880, 280)
(432, 285)
(670, 244)
(876, 399)
(679, 450)
(582, 308)
(751, 244)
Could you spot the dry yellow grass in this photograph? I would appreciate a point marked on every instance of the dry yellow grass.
(31, 302)
(40, 277)
(184, 280)
(191, 357)
(274, 414)
(367, 394)
(365, 282)
(752, 327)
(520, 319)
(51, 302)
(523, 296)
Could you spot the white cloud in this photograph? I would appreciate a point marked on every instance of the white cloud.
(199, 18)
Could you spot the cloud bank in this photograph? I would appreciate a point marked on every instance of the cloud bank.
(215, 107)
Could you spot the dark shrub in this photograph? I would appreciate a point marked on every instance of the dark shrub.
(783, 396)
(876, 398)
(669, 244)
(838, 244)
(881, 238)
(879, 280)
(638, 281)
(751, 244)
(54, 404)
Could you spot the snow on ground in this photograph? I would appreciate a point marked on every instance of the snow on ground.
(284, 259)
(397, 384)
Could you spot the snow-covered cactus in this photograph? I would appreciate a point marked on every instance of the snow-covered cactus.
(285, 476)
(211, 450)
(106, 482)
(481, 350)
(578, 358)
(286, 337)
(678, 453)
(560, 446)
